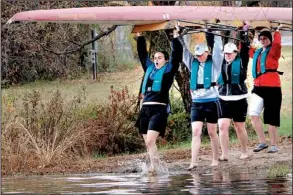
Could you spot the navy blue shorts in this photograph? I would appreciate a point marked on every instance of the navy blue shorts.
(208, 111)
(153, 117)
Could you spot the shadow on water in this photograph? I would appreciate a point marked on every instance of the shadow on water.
(216, 182)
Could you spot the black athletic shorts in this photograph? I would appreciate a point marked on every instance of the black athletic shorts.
(236, 110)
(153, 117)
(272, 101)
(208, 111)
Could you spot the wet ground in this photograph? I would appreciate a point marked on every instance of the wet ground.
(215, 182)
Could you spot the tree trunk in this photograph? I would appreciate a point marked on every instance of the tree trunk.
(182, 78)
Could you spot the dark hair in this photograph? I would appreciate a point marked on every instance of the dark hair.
(166, 55)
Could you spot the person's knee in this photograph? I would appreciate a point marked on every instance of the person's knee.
(224, 128)
(196, 131)
(255, 119)
(272, 127)
(212, 130)
(212, 133)
(239, 127)
(150, 143)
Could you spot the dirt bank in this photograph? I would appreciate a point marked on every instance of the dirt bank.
(177, 160)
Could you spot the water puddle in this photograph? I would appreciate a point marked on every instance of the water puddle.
(216, 182)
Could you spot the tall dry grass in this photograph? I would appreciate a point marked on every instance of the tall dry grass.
(50, 133)
(40, 134)
(112, 130)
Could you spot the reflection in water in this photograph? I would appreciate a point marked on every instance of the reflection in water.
(219, 182)
(215, 182)
(277, 187)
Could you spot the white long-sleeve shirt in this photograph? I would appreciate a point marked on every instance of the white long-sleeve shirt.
(204, 95)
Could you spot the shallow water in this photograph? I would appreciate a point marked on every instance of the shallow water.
(215, 182)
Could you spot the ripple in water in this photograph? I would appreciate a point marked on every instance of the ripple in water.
(142, 166)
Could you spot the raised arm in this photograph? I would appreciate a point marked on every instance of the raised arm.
(142, 52)
(210, 40)
(176, 54)
(276, 45)
(244, 45)
(218, 54)
(187, 56)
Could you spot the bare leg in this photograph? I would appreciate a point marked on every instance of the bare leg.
(195, 143)
(152, 148)
(145, 139)
(212, 130)
(273, 134)
(257, 124)
(224, 124)
(242, 137)
(256, 106)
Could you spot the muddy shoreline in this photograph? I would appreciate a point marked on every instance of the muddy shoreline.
(176, 160)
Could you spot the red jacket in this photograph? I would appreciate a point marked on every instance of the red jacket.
(269, 79)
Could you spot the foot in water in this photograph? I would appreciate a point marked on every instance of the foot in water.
(192, 166)
(152, 171)
(215, 163)
(243, 156)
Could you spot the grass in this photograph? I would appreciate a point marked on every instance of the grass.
(204, 142)
(286, 110)
(94, 91)
(99, 156)
(286, 125)
(182, 145)
(279, 170)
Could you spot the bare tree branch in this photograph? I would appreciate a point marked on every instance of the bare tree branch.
(105, 33)
(75, 43)
(102, 34)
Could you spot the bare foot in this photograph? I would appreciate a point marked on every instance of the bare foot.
(215, 163)
(192, 166)
(223, 158)
(152, 171)
(244, 156)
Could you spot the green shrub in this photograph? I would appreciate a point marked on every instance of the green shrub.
(178, 122)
